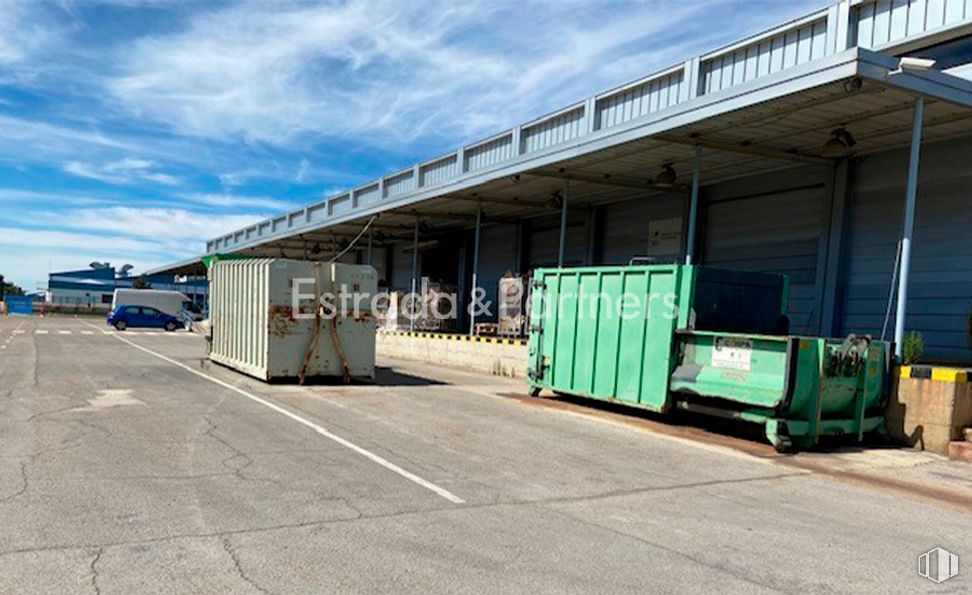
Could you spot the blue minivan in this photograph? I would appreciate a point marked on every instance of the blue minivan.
(123, 317)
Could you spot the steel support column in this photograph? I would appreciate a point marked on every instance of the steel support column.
(563, 225)
(909, 227)
(370, 234)
(413, 298)
(693, 206)
(475, 272)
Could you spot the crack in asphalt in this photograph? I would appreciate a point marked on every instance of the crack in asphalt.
(47, 412)
(36, 366)
(404, 513)
(237, 454)
(695, 559)
(23, 487)
(93, 426)
(237, 470)
(148, 477)
(93, 571)
(66, 445)
(228, 548)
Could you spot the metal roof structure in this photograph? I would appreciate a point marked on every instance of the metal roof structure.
(763, 104)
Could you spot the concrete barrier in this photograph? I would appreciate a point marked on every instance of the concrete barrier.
(931, 407)
(501, 357)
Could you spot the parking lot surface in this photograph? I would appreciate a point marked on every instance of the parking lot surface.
(131, 464)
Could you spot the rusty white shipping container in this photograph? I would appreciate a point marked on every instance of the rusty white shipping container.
(267, 322)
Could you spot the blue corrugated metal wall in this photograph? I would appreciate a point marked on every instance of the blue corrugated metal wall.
(19, 304)
(623, 227)
(778, 232)
(940, 293)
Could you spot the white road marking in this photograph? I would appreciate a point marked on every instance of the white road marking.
(64, 332)
(320, 430)
(87, 333)
(41, 332)
(17, 330)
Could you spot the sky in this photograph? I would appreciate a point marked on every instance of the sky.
(133, 131)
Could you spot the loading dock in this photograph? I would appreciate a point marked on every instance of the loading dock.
(736, 142)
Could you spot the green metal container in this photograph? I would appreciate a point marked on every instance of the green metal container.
(799, 388)
(702, 339)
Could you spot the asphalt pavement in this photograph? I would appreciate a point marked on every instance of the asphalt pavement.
(130, 464)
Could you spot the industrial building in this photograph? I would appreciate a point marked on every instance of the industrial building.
(834, 148)
(94, 287)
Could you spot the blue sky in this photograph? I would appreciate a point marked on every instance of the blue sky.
(132, 131)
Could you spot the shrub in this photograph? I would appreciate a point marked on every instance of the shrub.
(913, 347)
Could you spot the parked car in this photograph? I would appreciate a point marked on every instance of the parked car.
(123, 317)
(171, 302)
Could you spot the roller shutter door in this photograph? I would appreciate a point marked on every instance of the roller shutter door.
(624, 226)
(401, 266)
(544, 242)
(940, 288)
(772, 233)
(497, 254)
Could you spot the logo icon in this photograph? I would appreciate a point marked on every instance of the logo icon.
(938, 565)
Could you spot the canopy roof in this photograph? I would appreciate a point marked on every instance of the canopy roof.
(778, 121)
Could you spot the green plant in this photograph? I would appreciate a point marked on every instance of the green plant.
(141, 283)
(913, 347)
(11, 289)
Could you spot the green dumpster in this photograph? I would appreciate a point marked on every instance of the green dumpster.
(716, 342)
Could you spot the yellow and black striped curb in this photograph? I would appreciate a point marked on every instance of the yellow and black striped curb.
(937, 373)
(457, 337)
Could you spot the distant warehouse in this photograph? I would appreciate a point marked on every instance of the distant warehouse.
(94, 287)
(834, 148)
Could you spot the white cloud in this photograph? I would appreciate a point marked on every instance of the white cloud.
(145, 237)
(388, 72)
(27, 140)
(83, 170)
(160, 223)
(31, 198)
(123, 171)
(237, 201)
(52, 139)
(230, 179)
(47, 238)
(302, 171)
(22, 34)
